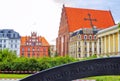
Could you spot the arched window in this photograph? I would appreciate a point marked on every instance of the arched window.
(85, 37)
(28, 49)
(33, 49)
(22, 49)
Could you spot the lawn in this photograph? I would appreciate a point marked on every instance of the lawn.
(106, 78)
(17, 76)
(97, 78)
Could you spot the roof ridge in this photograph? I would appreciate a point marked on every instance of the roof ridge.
(86, 8)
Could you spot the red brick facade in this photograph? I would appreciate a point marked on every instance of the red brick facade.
(73, 19)
(63, 36)
(34, 46)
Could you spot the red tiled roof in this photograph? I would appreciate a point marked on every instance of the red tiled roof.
(75, 18)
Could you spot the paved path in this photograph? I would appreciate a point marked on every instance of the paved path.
(9, 79)
(19, 79)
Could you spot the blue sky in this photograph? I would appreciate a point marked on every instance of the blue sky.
(43, 16)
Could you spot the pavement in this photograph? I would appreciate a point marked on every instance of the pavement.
(9, 79)
(19, 79)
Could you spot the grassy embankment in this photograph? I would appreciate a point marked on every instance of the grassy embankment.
(17, 76)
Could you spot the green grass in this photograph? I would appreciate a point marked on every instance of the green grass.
(97, 78)
(13, 75)
(105, 78)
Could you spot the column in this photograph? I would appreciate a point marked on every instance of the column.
(119, 42)
(102, 46)
(98, 46)
(113, 43)
(109, 44)
(93, 47)
(105, 45)
(88, 47)
(77, 49)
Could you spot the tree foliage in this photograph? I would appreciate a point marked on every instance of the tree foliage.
(33, 64)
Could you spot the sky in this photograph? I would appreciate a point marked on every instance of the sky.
(43, 16)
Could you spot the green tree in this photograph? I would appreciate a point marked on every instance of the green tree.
(7, 55)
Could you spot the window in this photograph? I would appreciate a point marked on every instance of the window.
(4, 46)
(11, 46)
(44, 49)
(3, 35)
(4, 41)
(33, 43)
(28, 49)
(14, 35)
(22, 49)
(79, 50)
(79, 36)
(85, 37)
(95, 37)
(85, 43)
(0, 45)
(85, 55)
(79, 55)
(90, 37)
(16, 41)
(28, 54)
(11, 35)
(0, 41)
(33, 49)
(79, 43)
(15, 46)
(11, 41)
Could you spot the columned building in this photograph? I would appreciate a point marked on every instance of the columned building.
(83, 43)
(34, 46)
(109, 41)
(10, 39)
(73, 19)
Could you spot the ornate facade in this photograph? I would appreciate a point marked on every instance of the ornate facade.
(34, 46)
(83, 43)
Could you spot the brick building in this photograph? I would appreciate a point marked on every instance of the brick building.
(73, 19)
(34, 46)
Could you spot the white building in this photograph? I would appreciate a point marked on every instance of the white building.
(10, 39)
